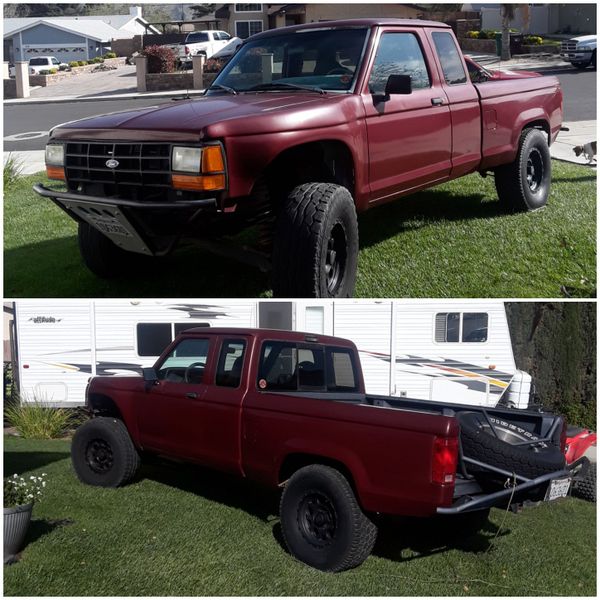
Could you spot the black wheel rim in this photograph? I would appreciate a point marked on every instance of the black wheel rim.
(99, 456)
(535, 170)
(317, 519)
(335, 259)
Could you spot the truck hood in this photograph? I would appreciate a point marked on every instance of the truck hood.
(584, 38)
(218, 116)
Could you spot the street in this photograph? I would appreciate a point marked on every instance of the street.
(26, 126)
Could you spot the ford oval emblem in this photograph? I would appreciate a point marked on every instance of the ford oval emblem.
(111, 163)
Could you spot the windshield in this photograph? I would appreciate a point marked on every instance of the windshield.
(325, 59)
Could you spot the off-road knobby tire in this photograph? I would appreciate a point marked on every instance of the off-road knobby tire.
(354, 535)
(511, 179)
(479, 443)
(111, 432)
(100, 255)
(313, 214)
(585, 486)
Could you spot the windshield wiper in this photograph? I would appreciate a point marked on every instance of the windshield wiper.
(282, 85)
(225, 88)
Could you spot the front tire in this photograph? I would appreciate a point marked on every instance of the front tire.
(103, 454)
(322, 522)
(315, 251)
(524, 184)
(100, 255)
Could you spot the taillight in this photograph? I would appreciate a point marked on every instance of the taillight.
(187, 50)
(563, 437)
(445, 457)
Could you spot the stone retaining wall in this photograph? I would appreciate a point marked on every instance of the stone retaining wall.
(46, 80)
(478, 46)
(159, 82)
(10, 88)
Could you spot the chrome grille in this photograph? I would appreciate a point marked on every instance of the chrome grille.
(568, 46)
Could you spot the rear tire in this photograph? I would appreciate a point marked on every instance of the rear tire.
(315, 250)
(101, 256)
(103, 454)
(585, 488)
(524, 184)
(321, 521)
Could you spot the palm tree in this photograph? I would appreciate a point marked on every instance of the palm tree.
(508, 15)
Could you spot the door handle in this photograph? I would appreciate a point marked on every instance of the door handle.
(191, 395)
(437, 101)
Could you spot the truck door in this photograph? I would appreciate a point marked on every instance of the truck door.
(409, 134)
(193, 410)
(464, 103)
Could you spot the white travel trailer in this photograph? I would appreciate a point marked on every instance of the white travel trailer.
(438, 350)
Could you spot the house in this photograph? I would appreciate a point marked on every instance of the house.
(69, 38)
(568, 18)
(244, 20)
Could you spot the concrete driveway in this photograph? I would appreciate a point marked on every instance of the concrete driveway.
(101, 83)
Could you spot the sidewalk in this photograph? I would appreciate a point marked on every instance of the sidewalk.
(580, 132)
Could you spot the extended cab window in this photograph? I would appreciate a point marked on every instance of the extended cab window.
(450, 60)
(341, 370)
(399, 54)
(231, 361)
(186, 362)
(463, 327)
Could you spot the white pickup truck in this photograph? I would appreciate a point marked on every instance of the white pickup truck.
(204, 42)
(580, 51)
(40, 63)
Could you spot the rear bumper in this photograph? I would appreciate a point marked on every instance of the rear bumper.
(468, 504)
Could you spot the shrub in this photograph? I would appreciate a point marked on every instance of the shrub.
(533, 40)
(97, 59)
(82, 63)
(39, 420)
(160, 59)
(53, 71)
(214, 65)
(44, 72)
(12, 172)
(110, 55)
(487, 34)
(473, 35)
(19, 491)
(74, 63)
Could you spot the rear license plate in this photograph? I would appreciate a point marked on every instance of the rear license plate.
(558, 488)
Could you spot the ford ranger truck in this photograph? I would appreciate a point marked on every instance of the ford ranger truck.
(304, 127)
(289, 410)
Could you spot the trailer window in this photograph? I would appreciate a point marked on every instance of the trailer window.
(461, 327)
(231, 361)
(153, 338)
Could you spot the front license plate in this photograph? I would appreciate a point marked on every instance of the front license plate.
(558, 488)
(110, 227)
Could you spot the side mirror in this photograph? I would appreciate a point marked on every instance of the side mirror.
(398, 84)
(149, 375)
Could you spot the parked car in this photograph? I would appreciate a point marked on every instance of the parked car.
(351, 115)
(480, 74)
(206, 43)
(580, 51)
(289, 410)
(41, 63)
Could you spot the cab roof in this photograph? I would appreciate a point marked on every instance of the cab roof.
(347, 23)
(268, 334)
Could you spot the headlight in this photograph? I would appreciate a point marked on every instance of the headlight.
(186, 159)
(55, 155)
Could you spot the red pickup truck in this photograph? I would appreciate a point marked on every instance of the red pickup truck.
(304, 127)
(289, 409)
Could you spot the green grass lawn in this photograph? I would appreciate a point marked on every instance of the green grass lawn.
(451, 241)
(180, 530)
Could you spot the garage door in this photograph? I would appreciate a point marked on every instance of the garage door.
(63, 53)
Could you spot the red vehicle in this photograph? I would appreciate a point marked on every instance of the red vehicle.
(302, 129)
(289, 409)
(479, 74)
(581, 448)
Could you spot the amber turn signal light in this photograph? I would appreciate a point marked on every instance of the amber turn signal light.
(53, 172)
(197, 183)
(212, 160)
